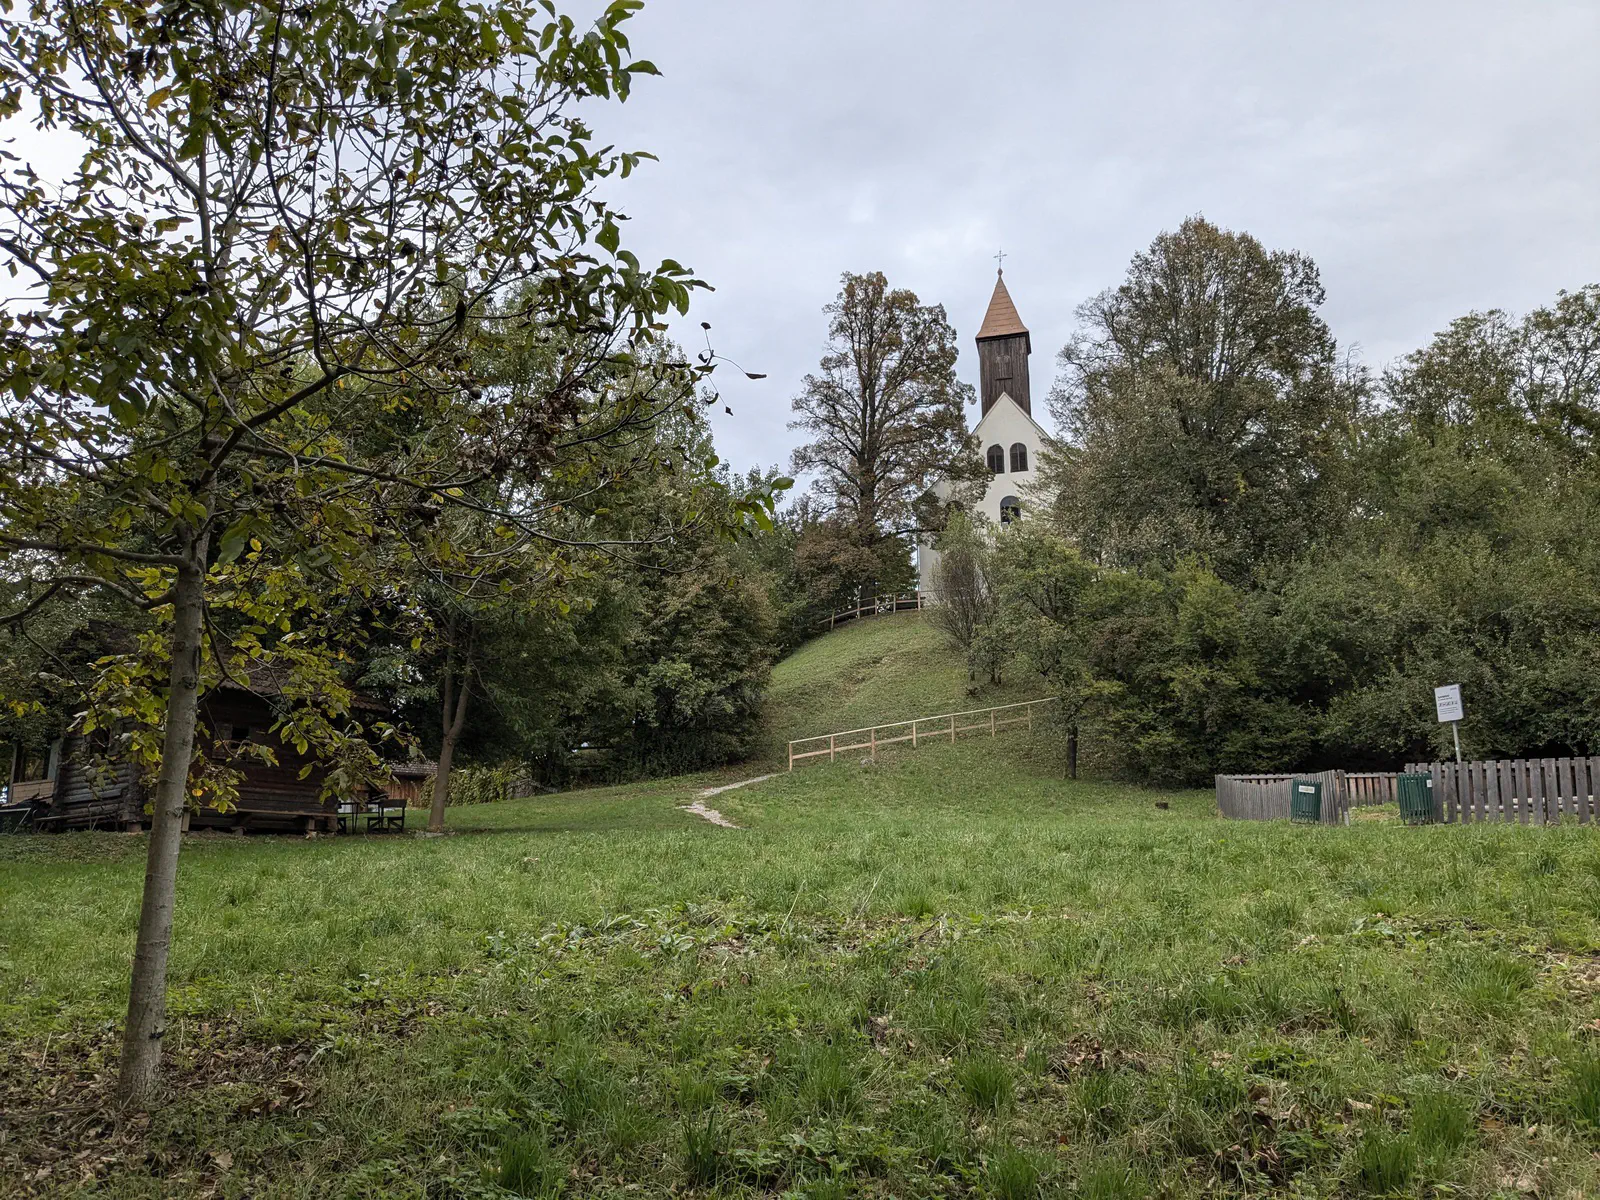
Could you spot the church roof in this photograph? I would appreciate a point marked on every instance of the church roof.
(1001, 320)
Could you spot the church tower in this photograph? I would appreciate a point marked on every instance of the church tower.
(1003, 349)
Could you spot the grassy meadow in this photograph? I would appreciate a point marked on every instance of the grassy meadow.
(951, 973)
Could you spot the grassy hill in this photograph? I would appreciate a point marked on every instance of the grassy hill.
(948, 973)
(873, 671)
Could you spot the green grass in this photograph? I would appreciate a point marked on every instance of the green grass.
(951, 973)
(878, 670)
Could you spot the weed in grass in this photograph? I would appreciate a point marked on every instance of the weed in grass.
(1333, 1003)
(1491, 983)
(695, 1093)
(1440, 1121)
(950, 1009)
(928, 1130)
(1036, 1061)
(1013, 1174)
(705, 1150)
(1110, 1179)
(1583, 1088)
(985, 1081)
(528, 1166)
(823, 1189)
(1385, 1161)
(1101, 1101)
(828, 1084)
(1221, 999)
(1544, 861)
(916, 903)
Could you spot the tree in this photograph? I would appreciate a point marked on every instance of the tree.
(885, 412)
(1493, 375)
(1205, 406)
(966, 608)
(1055, 607)
(288, 217)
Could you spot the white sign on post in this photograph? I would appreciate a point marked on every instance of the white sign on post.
(1447, 700)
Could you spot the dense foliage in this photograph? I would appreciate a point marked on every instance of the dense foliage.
(1245, 563)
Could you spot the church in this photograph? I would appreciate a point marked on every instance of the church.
(1008, 437)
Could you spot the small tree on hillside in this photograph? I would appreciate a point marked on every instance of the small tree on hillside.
(966, 608)
(285, 220)
(885, 412)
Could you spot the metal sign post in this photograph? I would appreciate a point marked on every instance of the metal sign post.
(1447, 700)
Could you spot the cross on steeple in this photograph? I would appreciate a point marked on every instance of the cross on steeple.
(1001, 259)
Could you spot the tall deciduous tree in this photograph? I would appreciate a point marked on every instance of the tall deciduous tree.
(885, 411)
(1205, 407)
(1489, 373)
(285, 216)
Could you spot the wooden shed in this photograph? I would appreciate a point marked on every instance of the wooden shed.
(81, 788)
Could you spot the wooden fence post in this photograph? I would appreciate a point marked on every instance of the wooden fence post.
(791, 756)
(872, 736)
(831, 736)
(952, 729)
(913, 735)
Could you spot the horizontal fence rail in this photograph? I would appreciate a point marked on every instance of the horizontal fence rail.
(1533, 791)
(878, 605)
(917, 731)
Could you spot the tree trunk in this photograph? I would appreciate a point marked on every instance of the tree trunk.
(147, 998)
(1072, 752)
(452, 723)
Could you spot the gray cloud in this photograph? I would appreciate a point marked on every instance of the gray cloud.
(1433, 156)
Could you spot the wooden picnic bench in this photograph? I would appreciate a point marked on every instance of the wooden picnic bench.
(381, 812)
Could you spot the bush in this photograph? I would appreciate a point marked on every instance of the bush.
(480, 785)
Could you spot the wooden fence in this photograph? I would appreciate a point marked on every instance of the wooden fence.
(872, 738)
(1533, 791)
(1522, 791)
(1266, 797)
(1372, 787)
(877, 605)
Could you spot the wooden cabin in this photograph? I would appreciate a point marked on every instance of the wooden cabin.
(75, 785)
(412, 783)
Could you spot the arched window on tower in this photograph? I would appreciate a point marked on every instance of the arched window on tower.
(997, 460)
(1010, 510)
(1019, 458)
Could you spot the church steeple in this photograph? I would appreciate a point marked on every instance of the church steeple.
(1003, 349)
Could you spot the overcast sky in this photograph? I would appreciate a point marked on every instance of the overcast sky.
(1433, 156)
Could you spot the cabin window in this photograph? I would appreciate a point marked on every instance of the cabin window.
(1010, 510)
(1019, 458)
(241, 733)
(997, 460)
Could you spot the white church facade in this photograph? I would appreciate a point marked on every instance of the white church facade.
(1008, 437)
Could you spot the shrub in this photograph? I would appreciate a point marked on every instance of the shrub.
(480, 785)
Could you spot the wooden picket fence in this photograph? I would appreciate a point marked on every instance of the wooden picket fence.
(1533, 791)
(1372, 787)
(878, 605)
(919, 731)
(1266, 797)
(1523, 791)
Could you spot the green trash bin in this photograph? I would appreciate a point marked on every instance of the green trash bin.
(1305, 800)
(1416, 798)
